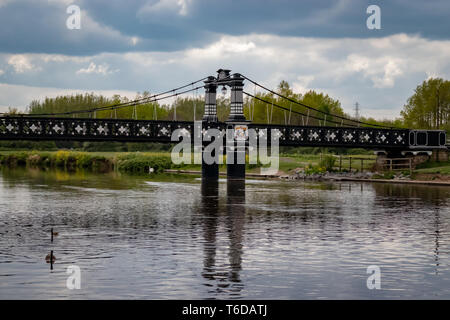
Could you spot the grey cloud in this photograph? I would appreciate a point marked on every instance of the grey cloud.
(378, 73)
(170, 25)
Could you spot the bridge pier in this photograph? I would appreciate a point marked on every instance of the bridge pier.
(236, 170)
(210, 172)
(237, 125)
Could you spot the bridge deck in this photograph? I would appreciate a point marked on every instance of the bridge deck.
(126, 130)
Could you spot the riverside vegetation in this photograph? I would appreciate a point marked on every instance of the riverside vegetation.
(130, 162)
(97, 161)
(292, 164)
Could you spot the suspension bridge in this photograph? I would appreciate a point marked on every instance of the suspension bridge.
(334, 130)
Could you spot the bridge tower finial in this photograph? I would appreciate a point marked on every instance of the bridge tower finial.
(236, 83)
(210, 100)
(223, 74)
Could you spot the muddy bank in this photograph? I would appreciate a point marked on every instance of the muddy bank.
(434, 179)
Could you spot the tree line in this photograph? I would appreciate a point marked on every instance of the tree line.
(427, 108)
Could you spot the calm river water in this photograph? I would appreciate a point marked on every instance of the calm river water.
(169, 237)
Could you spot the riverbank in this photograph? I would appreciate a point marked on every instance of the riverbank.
(129, 162)
(134, 162)
(357, 177)
(387, 177)
(295, 167)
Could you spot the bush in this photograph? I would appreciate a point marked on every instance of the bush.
(327, 162)
(141, 163)
(309, 169)
(62, 159)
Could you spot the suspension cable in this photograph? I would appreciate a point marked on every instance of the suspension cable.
(295, 112)
(143, 100)
(114, 107)
(311, 108)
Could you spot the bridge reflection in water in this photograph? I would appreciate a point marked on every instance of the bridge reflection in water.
(226, 277)
(170, 237)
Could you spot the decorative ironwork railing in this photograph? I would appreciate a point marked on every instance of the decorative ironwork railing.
(84, 129)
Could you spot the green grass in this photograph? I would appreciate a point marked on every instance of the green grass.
(433, 167)
(436, 170)
(291, 162)
(140, 162)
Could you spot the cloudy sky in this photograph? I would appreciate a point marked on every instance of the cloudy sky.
(130, 46)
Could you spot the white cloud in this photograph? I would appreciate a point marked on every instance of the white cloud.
(1, 72)
(134, 40)
(378, 73)
(4, 2)
(181, 7)
(96, 69)
(19, 96)
(21, 63)
(382, 71)
(301, 84)
(93, 29)
(226, 46)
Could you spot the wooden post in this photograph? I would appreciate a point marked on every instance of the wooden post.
(340, 162)
(350, 158)
(390, 160)
(410, 166)
(362, 164)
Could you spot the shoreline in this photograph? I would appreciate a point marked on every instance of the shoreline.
(254, 175)
(143, 163)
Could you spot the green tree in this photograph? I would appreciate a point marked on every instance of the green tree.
(262, 112)
(429, 106)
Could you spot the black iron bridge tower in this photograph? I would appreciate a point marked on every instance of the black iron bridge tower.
(210, 120)
(237, 124)
(237, 130)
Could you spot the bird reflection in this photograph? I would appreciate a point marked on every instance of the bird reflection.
(228, 278)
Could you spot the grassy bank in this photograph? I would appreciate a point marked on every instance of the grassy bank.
(130, 162)
(144, 162)
(141, 162)
(135, 162)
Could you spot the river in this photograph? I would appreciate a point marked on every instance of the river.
(170, 237)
